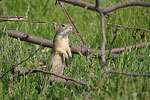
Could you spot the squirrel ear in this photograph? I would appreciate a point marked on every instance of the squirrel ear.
(55, 25)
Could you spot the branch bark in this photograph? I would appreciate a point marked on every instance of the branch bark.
(127, 4)
(141, 45)
(50, 73)
(127, 27)
(106, 10)
(75, 49)
(129, 74)
(97, 3)
(104, 64)
(81, 4)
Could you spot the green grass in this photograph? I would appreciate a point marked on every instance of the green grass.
(37, 86)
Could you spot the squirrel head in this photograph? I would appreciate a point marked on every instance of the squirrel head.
(63, 29)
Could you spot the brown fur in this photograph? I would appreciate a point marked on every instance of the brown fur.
(61, 49)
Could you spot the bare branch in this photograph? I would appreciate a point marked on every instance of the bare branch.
(50, 73)
(20, 19)
(45, 7)
(122, 5)
(129, 74)
(115, 36)
(104, 64)
(127, 27)
(81, 4)
(115, 56)
(114, 72)
(59, 80)
(103, 42)
(13, 17)
(141, 45)
(97, 3)
(30, 38)
(16, 65)
(108, 9)
(75, 49)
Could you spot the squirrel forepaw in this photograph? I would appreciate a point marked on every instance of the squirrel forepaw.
(70, 55)
(66, 55)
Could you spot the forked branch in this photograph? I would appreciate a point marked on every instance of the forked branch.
(106, 10)
(126, 4)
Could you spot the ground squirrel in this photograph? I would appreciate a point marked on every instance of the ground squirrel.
(61, 49)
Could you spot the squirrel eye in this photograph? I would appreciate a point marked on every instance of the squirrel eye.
(63, 25)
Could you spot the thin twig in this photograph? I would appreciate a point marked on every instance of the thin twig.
(115, 36)
(125, 4)
(129, 74)
(106, 10)
(127, 27)
(70, 20)
(51, 73)
(97, 3)
(141, 45)
(15, 65)
(104, 65)
(13, 17)
(59, 80)
(24, 20)
(45, 7)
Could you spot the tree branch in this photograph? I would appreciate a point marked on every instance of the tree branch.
(59, 80)
(50, 73)
(15, 65)
(127, 27)
(97, 4)
(141, 45)
(103, 42)
(81, 4)
(107, 9)
(75, 49)
(122, 5)
(104, 64)
(129, 74)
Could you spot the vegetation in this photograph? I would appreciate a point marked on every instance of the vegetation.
(87, 69)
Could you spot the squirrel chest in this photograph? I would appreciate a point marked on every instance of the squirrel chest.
(61, 42)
